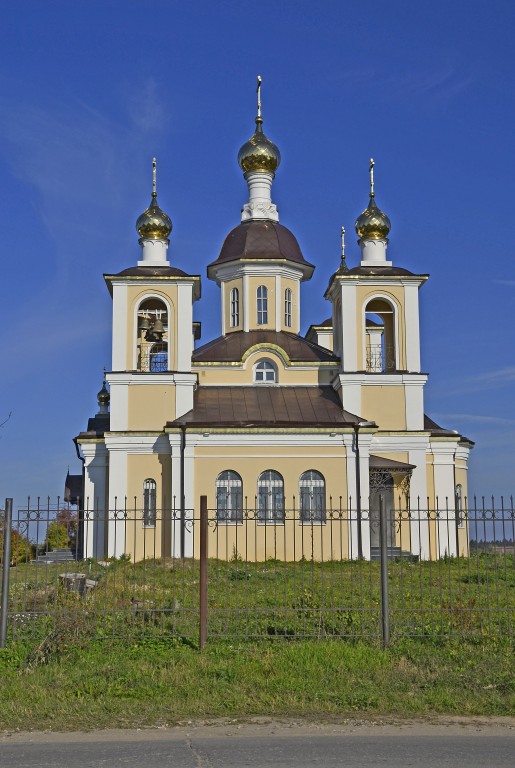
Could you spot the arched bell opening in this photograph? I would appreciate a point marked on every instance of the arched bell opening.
(379, 337)
(153, 347)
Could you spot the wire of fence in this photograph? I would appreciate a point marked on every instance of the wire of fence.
(261, 572)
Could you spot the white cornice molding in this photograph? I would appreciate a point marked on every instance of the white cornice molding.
(236, 269)
(382, 379)
(115, 378)
(416, 441)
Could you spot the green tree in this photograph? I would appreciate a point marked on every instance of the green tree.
(56, 536)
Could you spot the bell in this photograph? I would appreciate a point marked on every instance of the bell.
(158, 327)
(144, 323)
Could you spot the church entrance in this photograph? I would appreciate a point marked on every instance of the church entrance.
(381, 484)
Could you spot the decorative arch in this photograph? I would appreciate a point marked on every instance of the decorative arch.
(152, 351)
(265, 372)
(380, 334)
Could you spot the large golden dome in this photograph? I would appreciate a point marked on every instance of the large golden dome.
(373, 224)
(259, 153)
(154, 224)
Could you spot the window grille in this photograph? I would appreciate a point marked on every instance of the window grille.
(270, 497)
(265, 373)
(229, 497)
(287, 307)
(262, 305)
(149, 503)
(312, 497)
(235, 307)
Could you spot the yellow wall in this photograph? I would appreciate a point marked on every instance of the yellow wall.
(150, 406)
(385, 405)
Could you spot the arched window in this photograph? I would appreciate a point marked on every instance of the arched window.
(149, 503)
(229, 497)
(270, 497)
(262, 305)
(265, 372)
(312, 497)
(287, 307)
(152, 336)
(235, 307)
(380, 351)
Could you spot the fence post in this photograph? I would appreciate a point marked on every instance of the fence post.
(203, 572)
(385, 610)
(6, 567)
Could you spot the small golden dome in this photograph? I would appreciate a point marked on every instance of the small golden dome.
(259, 153)
(103, 396)
(373, 224)
(153, 223)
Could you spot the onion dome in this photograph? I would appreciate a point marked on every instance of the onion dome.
(154, 224)
(373, 224)
(103, 396)
(259, 153)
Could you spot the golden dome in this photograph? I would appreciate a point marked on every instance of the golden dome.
(103, 396)
(259, 153)
(373, 224)
(153, 223)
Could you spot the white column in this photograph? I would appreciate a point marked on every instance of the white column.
(373, 253)
(183, 337)
(349, 332)
(364, 459)
(154, 253)
(443, 467)
(119, 403)
(419, 530)
(119, 341)
(260, 204)
(117, 501)
(95, 497)
(189, 499)
(412, 328)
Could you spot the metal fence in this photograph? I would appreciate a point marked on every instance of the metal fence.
(258, 572)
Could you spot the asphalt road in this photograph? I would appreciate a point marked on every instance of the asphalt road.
(279, 744)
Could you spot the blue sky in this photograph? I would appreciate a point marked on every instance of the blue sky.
(90, 91)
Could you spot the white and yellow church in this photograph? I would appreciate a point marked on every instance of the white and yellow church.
(263, 418)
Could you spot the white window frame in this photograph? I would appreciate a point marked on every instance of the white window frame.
(235, 307)
(229, 498)
(262, 305)
(265, 373)
(312, 504)
(287, 307)
(149, 503)
(270, 498)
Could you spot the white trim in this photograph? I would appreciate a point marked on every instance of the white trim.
(130, 377)
(117, 501)
(412, 328)
(246, 303)
(119, 329)
(414, 400)
(349, 335)
(236, 269)
(278, 292)
(96, 468)
(183, 337)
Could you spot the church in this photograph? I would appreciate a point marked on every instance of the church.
(263, 420)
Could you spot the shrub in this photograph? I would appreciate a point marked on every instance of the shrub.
(21, 548)
(57, 536)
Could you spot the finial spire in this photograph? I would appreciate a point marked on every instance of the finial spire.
(258, 91)
(343, 243)
(371, 170)
(154, 177)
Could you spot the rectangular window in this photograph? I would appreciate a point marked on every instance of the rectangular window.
(287, 308)
(262, 305)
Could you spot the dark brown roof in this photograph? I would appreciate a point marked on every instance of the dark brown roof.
(438, 431)
(264, 406)
(151, 272)
(96, 426)
(231, 347)
(393, 271)
(73, 488)
(379, 462)
(267, 240)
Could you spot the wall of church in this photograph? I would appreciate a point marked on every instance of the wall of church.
(386, 405)
(258, 541)
(150, 406)
(218, 375)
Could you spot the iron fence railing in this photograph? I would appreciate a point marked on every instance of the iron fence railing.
(199, 574)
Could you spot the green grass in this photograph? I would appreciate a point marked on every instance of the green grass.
(470, 598)
(75, 682)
